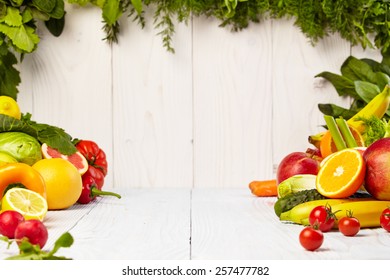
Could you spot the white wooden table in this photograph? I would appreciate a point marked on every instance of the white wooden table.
(195, 224)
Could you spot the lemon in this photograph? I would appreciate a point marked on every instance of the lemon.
(30, 204)
(8, 106)
(63, 182)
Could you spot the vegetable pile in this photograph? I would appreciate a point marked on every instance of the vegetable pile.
(42, 168)
(342, 182)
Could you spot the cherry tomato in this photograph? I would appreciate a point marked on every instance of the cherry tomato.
(34, 230)
(385, 219)
(323, 217)
(349, 225)
(9, 220)
(311, 238)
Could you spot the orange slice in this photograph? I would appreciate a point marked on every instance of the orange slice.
(327, 145)
(342, 174)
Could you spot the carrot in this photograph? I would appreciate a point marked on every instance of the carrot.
(264, 188)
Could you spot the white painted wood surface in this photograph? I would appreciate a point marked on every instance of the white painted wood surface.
(195, 224)
(220, 112)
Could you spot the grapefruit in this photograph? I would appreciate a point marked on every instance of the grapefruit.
(77, 159)
(63, 182)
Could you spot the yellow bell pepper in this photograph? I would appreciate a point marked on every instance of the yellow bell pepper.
(13, 173)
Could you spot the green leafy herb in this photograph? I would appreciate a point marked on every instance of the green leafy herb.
(360, 79)
(29, 251)
(53, 136)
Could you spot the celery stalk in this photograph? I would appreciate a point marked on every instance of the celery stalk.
(334, 131)
(346, 132)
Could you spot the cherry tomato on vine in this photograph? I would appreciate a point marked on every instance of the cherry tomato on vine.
(385, 219)
(311, 238)
(323, 217)
(349, 225)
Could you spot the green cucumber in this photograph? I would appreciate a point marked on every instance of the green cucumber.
(287, 202)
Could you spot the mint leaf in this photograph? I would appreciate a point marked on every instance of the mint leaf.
(13, 17)
(23, 37)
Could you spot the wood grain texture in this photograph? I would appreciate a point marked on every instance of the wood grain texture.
(151, 223)
(152, 117)
(197, 224)
(233, 104)
(220, 112)
(296, 91)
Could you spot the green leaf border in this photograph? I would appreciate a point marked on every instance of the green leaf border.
(357, 21)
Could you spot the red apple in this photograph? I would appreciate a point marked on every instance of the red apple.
(297, 163)
(377, 179)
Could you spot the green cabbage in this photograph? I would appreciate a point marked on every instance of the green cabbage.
(23, 147)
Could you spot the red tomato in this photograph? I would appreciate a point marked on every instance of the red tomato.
(322, 217)
(34, 230)
(349, 226)
(385, 219)
(311, 239)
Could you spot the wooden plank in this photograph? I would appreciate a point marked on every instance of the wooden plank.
(66, 82)
(152, 223)
(232, 104)
(57, 222)
(296, 92)
(231, 224)
(152, 108)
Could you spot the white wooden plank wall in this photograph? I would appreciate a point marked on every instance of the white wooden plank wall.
(220, 112)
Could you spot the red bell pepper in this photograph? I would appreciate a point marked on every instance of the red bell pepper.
(97, 162)
(95, 156)
(91, 191)
(96, 174)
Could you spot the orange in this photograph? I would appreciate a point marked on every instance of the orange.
(342, 174)
(63, 182)
(327, 145)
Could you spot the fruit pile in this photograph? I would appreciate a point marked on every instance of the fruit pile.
(35, 176)
(340, 183)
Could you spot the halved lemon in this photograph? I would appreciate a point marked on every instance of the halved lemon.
(342, 174)
(30, 204)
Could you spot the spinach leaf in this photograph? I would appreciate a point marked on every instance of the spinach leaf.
(343, 85)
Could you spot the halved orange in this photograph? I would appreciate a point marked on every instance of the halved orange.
(327, 145)
(342, 174)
